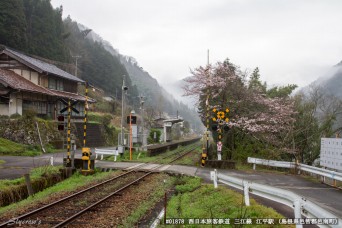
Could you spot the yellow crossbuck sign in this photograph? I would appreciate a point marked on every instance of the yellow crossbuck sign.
(221, 115)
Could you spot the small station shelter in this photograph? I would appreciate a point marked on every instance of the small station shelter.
(167, 128)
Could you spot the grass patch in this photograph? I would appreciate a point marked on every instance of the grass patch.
(187, 184)
(204, 201)
(145, 206)
(67, 186)
(35, 174)
(8, 147)
(2, 162)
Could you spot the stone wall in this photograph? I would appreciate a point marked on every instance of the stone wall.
(23, 130)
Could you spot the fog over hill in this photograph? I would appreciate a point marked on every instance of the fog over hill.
(156, 97)
(330, 81)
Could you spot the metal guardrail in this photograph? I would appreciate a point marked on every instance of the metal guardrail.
(106, 152)
(323, 172)
(300, 205)
(283, 164)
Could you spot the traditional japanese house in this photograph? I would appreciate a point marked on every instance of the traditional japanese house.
(29, 83)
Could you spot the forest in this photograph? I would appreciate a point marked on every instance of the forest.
(36, 28)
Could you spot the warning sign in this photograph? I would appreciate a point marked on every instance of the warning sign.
(219, 146)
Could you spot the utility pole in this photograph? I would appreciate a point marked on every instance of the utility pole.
(124, 89)
(206, 149)
(142, 120)
(76, 58)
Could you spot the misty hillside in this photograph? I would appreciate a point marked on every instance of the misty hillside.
(333, 85)
(157, 97)
(36, 28)
(177, 89)
(331, 82)
(147, 86)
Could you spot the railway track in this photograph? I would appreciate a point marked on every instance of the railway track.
(183, 152)
(154, 150)
(67, 210)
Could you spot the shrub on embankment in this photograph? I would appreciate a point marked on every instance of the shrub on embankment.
(12, 191)
(23, 130)
(109, 132)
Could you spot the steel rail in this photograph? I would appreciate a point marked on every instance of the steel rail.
(182, 155)
(93, 187)
(182, 150)
(65, 198)
(70, 219)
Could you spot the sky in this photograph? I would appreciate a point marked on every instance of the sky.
(291, 41)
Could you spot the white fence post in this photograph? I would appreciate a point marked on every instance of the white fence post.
(246, 192)
(298, 167)
(297, 212)
(254, 166)
(213, 177)
(51, 161)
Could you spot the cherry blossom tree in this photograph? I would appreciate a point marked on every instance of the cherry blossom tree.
(251, 110)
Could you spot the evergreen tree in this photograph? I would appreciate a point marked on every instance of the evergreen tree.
(255, 83)
(13, 24)
(45, 30)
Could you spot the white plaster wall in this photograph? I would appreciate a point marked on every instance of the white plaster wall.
(34, 77)
(4, 109)
(26, 74)
(17, 71)
(16, 105)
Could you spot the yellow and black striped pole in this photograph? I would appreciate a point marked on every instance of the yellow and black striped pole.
(85, 150)
(219, 150)
(68, 162)
(220, 133)
(206, 148)
(85, 116)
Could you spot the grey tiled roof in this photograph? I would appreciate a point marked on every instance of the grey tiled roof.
(18, 82)
(39, 65)
(73, 96)
(15, 81)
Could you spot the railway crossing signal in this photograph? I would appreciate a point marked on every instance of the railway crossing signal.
(221, 118)
(67, 104)
(131, 119)
(60, 123)
(68, 108)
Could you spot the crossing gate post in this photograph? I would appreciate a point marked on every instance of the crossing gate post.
(86, 152)
(68, 160)
(85, 159)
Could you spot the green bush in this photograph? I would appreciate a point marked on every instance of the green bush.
(29, 114)
(15, 116)
(106, 119)
(3, 117)
(150, 139)
(103, 119)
